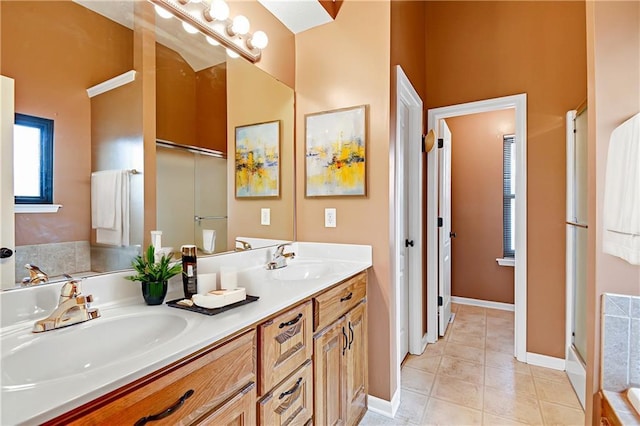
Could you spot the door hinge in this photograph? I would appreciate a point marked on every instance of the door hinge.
(440, 222)
(440, 143)
(440, 301)
(424, 138)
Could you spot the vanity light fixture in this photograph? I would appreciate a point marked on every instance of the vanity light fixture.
(211, 17)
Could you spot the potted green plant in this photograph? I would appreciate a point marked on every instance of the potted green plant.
(154, 275)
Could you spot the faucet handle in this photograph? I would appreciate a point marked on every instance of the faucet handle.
(69, 290)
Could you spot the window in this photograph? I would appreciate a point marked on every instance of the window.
(33, 160)
(509, 195)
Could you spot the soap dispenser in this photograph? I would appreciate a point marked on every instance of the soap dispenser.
(189, 270)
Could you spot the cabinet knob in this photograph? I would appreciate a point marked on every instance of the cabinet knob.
(5, 252)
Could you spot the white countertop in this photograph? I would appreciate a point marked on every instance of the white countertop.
(48, 399)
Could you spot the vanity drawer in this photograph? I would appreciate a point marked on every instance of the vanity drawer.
(202, 384)
(285, 343)
(291, 402)
(334, 303)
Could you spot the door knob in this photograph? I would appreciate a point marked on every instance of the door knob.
(408, 243)
(452, 234)
(5, 252)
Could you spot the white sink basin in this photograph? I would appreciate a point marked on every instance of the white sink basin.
(56, 354)
(303, 270)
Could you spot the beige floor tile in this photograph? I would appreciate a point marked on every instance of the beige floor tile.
(445, 413)
(474, 340)
(412, 405)
(501, 322)
(423, 362)
(491, 420)
(455, 307)
(472, 309)
(465, 352)
(521, 408)
(499, 313)
(461, 370)
(416, 380)
(505, 361)
(500, 344)
(509, 381)
(469, 318)
(554, 414)
(468, 327)
(458, 392)
(549, 374)
(374, 419)
(560, 392)
(435, 349)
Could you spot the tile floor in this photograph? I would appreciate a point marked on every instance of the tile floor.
(470, 377)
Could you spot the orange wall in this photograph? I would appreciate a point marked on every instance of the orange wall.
(481, 50)
(211, 105)
(476, 206)
(52, 68)
(342, 64)
(613, 40)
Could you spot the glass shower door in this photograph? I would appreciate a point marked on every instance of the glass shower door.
(211, 200)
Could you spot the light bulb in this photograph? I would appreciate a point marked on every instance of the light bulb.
(163, 13)
(219, 10)
(189, 28)
(232, 54)
(212, 41)
(240, 25)
(259, 40)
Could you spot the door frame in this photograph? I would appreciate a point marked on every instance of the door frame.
(407, 95)
(7, 216)
(519, 103)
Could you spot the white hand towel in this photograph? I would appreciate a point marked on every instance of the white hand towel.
(105, 198)
(114, 201)
(621, 211)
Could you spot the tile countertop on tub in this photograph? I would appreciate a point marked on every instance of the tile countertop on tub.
(116, 297)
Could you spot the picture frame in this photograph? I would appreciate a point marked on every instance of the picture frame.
(336, 153)
(257, 160)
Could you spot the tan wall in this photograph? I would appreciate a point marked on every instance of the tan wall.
(341, 64)
(613, 42)
(482, 50)
(476, 206)
(255, 97)
(211, 105)
(278, 58)
(51, 82)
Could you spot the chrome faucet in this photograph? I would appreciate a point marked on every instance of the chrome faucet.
(243, 245)
(36, 276)
(73, 308)
(279, 259)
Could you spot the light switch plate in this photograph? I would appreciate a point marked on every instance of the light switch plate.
(330, 219)
(265, 216)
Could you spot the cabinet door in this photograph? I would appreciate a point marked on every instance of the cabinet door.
(291, 402)
(238, 411)
(356, 360)
(330, 347)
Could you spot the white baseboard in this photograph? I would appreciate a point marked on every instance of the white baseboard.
(384, 407)
(425, 340)
(546, 361)
(483, 303)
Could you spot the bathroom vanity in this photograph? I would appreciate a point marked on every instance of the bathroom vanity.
(295, 356)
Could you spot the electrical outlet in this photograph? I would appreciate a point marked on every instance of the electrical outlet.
(265, 217)
(330, 219)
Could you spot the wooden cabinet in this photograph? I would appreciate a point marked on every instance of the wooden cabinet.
(183, 393)
(340, 356)
(291, 402)
(238, 411)
(337, 301)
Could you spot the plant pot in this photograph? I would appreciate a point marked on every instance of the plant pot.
(154, 292)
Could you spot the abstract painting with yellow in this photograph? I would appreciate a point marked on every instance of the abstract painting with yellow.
(335, 154)
(257, 163)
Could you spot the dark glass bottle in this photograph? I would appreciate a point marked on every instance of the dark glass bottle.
(189, 271)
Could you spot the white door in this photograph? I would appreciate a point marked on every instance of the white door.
(444, 231)
(7, 234)
(403, 221)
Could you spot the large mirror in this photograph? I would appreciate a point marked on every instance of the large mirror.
(170, 131)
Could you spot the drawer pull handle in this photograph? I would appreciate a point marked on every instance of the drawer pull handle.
(167, 412)
(351, 333)
(293, 321)
(344, 347)
(347, 297)
(293, 389)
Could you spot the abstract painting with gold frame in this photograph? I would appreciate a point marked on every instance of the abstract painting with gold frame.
(336, 153)
(257, 164)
